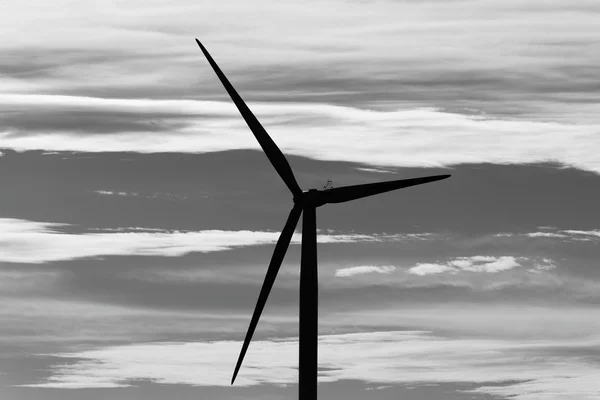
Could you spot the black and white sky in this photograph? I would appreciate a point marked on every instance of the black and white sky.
(138, 216)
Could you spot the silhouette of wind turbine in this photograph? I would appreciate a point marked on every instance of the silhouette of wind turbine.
(307, 202)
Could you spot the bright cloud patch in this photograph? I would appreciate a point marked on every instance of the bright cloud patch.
(428, 268)
(365, 269)
(529, 369)
(471, 264)
(376, 170)
(109, 193)
(547, 234)
(545, 264)
(566, 234)
(155, 195)
(584, 235)
(24, 241)
(424, 137)
(485, 264)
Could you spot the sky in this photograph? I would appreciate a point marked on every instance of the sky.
(138, 214)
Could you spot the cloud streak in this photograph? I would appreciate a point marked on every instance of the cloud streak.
(39, 242)
(109, 193)
(529, 369)
(423, 137)
(486, 264)
(576, 235)
(364, 269)
(501, 57)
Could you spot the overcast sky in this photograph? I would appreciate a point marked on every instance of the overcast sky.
(138, 216)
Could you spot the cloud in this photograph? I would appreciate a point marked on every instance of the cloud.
(376, 170)
(471, 264)
(491, 264)
(399, 138)
(546, 264)
(584, 235)
(567, 234)
(109, 193)
(364, 269)
(155, 195)
(394, 357)
(129, 229)
(379, 387)
(428, 268)
(33, 320)
(20, 282)
(547, 234)
(547, 388)
(25, 241)
(525, 60)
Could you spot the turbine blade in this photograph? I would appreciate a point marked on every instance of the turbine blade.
(347, 193)
(276, 260)
(269, 147)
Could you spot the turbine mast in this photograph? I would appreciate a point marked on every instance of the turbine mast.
(309, 307)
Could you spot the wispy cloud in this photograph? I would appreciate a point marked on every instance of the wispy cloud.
(109, 193)
(547, 234)
(546, 264)
(38, 242)
(566, 234)
(584, 235)
(129, 229)
(401, 137)
(30, 319)
(524, 60)
(470, 264)
(376, 170)
(364, 269)
(155, 195)
(528, 369)
(485, 263)
(20, 282)
(429, 268)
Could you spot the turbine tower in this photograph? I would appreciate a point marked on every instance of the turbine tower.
(304, 202)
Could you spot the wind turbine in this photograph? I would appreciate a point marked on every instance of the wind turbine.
(304, 202)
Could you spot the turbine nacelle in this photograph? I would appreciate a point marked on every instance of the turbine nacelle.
(310, 198)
